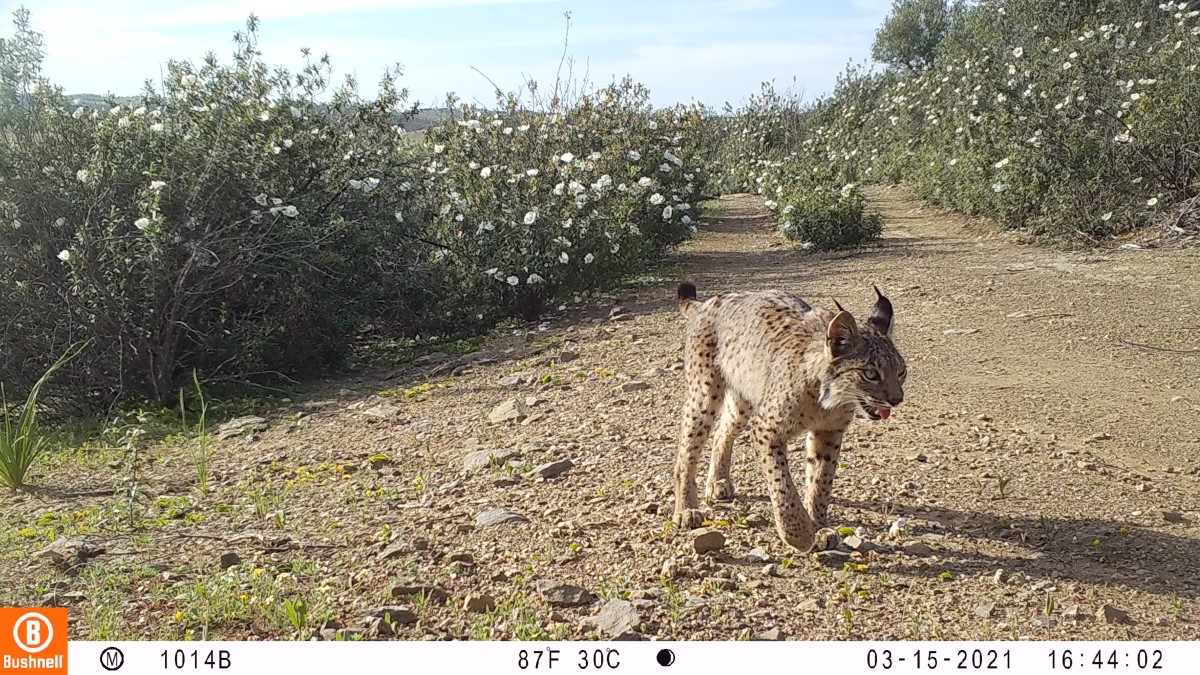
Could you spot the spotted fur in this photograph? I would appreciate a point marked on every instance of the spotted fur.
(771, 360)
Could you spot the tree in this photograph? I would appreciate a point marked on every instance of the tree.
(910, 34)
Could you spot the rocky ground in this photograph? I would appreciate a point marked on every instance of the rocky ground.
(1042, 479)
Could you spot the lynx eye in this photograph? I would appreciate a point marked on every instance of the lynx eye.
(903, 373)
(871, 375)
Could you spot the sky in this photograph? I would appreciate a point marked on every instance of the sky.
(710, 51)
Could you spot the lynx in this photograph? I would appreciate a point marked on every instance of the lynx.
(770, 359)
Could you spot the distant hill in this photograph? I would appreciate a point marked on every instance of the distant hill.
(426, 117)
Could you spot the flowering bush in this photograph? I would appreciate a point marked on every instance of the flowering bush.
(245, 220)
(1076, 120)
(535, 207)
(232, 222)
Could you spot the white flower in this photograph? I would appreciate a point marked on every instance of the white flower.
(1153, 201)
(999, 187)
(140, 111)
(686, 220)
(513, 281)
(656, 199)
(398, 216)
(439, 148)
(1018, 53)
(123, 122)
(264, 116)
(82, 175)
(355, 183)
(634, 156)
(1106, 216)
(291, 211)
(1067, 65)
(287, 142)
(141, 223)
(684, 206)
(567, 157)
(79, 112)
(531, 217)
(667, 213)
(531, 172)
(534, 279)
(485, 172)
(64, 255)
(1001, 164)
(615, 248)
(564, 258)
(405, 186)
(157, 185)
(664, 167)
(157, 127)
(187, 80)
(589, 258)
(472, 165)
(645, 181)
(370, 184)
(261, 199)
(523, 127)
(295, 111)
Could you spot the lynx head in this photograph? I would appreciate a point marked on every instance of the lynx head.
(866, 370)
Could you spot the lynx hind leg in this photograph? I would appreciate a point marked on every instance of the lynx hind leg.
(734, 415)
(705, 389)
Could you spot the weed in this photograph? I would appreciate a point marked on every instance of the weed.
(23, 442)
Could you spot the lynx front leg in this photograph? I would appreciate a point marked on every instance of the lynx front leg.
(792, 520)
(699, 411)
(823, 450)
(734, 416)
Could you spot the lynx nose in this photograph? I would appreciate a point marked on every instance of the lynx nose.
(896, 398)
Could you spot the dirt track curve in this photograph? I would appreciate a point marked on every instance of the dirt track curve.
(1047, 460)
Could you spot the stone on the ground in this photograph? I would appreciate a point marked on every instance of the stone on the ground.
(478, 460)
(567, 356)
(630, 387)
(984, 610)
(432, 358)
(498, 516)
(562, 595)
(411, 589)
(228, 560)
(68, 552)
(897, 529)
(1110, 614)
(707, 539)
(772, 635)
(241, 425)
(552, 469)
(917, 548)
(511, 410)
(834, 557)
(1175, 518)
(479, 603)
(615, 618)
(383, 411)
(758, 555)
(512, 381)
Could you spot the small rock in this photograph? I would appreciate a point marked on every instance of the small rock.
(757, 520)
(567, 356)
(917, 548)
(512, 381)
(241, 425)
(460, 557)
(552, 469)
(810, 605)
(511, 410)
(396, 615)
(655, 372)
(719, 584)
(479, 603)
(1175, 518)
(960, 331)
(1086, 466)
(832, 558)
(534, 401)
(482, 459)
(670, 569)
(630, 387)
(897, 529)
(228, 560)
(998, 577)
(707, 539)
(1096, 438)
(396, 549)
(984, 611)
(648, 507)
(758, 555)
(562, 595)
(409, 589)
(770, 570)
(381, 412)
(1072, 612)
(919, 457)
(1110, 614)
(773, 635)
(616, 312)
(68, 552)
(498, 516)
(615, 618)
(431, 359)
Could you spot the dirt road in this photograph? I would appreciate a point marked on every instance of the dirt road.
(1046, 462)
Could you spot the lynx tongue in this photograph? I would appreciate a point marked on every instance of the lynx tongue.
(885, 413)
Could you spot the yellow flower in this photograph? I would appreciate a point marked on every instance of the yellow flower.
(257, 571)
(1095, 542)
(245, 598)
(179, 616)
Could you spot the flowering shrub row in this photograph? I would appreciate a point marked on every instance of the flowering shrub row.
(246, 221)
(1074, 120)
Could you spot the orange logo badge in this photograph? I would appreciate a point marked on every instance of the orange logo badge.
(33, 640)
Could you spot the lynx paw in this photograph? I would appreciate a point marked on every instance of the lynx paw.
(826, 539)
(720, 490)
(689, 519)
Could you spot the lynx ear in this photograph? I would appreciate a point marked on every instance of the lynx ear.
(880, 319)
(841, 334)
